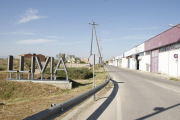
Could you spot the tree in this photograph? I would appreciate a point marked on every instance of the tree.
(59, 56)
(56, 62)
(27, 62)
(82, 62)
(77, 60)
(69, 57)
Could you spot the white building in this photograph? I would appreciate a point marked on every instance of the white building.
(154, 55)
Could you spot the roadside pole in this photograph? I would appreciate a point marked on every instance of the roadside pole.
(94, 59)
(176, 57)
(93, 72)
(177, 68)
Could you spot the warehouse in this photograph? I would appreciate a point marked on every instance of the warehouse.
(154, 55)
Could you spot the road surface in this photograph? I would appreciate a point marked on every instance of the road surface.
(137, 96)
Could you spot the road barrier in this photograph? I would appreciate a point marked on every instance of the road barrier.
(61, 108)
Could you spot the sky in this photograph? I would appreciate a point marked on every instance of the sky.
(50, 27)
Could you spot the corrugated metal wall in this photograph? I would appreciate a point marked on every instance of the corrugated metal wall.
(155, 61)
(168, 37)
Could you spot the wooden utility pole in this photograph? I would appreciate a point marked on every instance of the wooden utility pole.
(93, 26)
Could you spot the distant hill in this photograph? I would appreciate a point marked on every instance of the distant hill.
(3, 57)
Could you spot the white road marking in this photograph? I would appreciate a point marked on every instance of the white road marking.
(119, 112)
(165, 87)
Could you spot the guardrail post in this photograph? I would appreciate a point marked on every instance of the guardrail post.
(94, 94)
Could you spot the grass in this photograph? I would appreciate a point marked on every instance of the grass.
(4, 62)
(74, 73)
(175, 79)
(19, 95)
(13, 90)
(110, 84)
(2, 67)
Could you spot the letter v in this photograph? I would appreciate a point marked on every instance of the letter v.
(42, 69)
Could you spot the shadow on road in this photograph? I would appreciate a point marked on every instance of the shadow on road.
(159, 110)
(95, 115)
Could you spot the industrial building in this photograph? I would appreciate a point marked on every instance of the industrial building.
(158, 54)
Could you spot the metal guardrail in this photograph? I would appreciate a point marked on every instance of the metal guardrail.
(59, 109)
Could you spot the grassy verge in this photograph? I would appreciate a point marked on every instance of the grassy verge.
(174, 79)
(73, 73)
(27, 98)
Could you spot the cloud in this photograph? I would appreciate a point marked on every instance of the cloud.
(30, 15)
(35, 41)
(16, 33)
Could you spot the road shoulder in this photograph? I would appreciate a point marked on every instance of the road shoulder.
(77, 113)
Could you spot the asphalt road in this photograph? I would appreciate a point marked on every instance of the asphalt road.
(145, 97)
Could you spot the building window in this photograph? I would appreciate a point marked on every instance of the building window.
(148, 52)
(175, 46)
(166, 48)
(141, 54)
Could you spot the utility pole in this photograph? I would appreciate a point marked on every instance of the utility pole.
(98, 46)
(93, 26)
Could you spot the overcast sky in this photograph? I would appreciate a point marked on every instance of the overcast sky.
(50, 27)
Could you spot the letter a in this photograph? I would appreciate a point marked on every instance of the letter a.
(57, 68)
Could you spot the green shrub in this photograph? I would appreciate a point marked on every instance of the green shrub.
(175, 79)
(73, 73)
(82, 62)
(2, 68)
